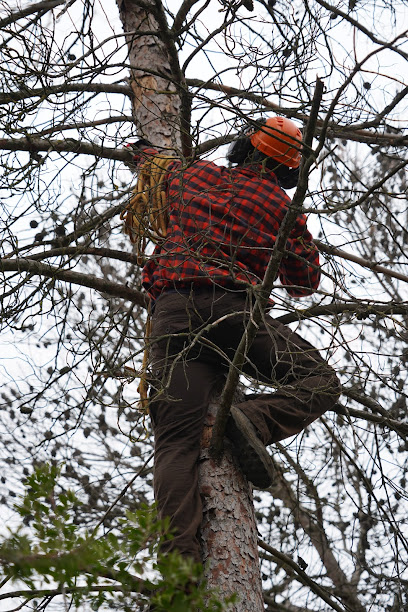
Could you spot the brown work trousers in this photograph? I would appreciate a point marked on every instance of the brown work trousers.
(194, 336)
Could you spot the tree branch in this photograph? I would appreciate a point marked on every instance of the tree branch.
(80, 250)
(336, 131)
(69, 276)
(283, 490)
(331, 250)
(32, 593)
(400, 428)
(40, 92)
(360, 309)
(368, 192)
(86, 124)
(359, 26)
(29, 10)
(182, 14)
(274, 607)
(33, 144)
(305, 579)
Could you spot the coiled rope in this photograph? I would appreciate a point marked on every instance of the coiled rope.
(146, 214)
(146, 219)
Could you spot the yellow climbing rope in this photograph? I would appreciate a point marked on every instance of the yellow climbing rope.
(143, 388)
(146, 215)
(146, 219)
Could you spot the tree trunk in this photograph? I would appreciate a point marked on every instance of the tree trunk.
(156, 102)
(229, 532)
(228, 529)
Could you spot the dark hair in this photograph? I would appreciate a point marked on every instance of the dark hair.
(242, 151)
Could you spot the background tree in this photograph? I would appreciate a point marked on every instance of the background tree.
(72, 84)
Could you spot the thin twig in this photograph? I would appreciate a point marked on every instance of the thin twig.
(121, 494)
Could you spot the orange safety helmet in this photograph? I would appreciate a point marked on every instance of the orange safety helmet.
(280, 139)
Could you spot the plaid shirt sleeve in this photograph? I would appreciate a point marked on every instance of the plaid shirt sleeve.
(300, 269)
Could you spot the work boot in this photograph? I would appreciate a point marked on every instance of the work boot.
(252, 455)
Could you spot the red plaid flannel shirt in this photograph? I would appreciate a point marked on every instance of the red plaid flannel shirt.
(222, 226)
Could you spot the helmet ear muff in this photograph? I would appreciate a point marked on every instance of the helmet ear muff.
(287, 177)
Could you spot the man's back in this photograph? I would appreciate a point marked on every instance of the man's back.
(221, 229)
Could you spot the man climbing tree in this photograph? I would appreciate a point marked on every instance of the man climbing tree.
(79, 80)
(215, 229)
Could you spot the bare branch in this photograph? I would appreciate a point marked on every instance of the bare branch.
(372, 265)
(25, 94)
(361, 309)
(284, 491)
(69, 276)
(335, 130)
(38, 145)
(285, 560)
(29, 10)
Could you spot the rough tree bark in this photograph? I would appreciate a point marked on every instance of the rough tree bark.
(155, 102)
(161, 113)
(228, 530)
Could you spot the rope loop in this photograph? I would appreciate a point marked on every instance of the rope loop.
(146, 219)
(146, 215)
